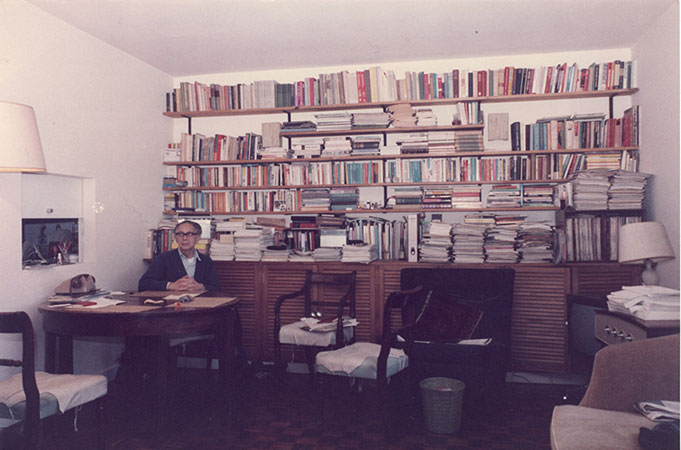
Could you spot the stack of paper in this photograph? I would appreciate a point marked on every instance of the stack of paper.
(535, 242)
(360, 253)
(468, 240)
(627, 190)
(436, 245)
(646, 302)
(590, 190)
(500, 244)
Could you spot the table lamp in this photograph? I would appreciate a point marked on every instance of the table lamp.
(645, 243)
(20, 148)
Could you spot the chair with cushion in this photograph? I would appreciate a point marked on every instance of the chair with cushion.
(30, 396)
(623, 374)
(324, 319)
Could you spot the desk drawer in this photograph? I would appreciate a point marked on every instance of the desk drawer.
(615, 330)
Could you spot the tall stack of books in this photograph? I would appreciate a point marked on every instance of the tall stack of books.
(500, 243)
(537, 195)
(504, 196)
(343, 199)
(359, 253)
(467, 243)
(437, 197)
(590, 189)
(223, 245)
(406, 197)
(436, 243)
(627, 190)
(535, 242)
(249, 243)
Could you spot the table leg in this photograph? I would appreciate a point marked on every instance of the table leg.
(58, 353)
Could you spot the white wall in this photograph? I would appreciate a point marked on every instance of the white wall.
(99, 115)
(657, 54)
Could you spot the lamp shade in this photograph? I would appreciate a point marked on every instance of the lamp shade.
(644, 240)
(20, 149)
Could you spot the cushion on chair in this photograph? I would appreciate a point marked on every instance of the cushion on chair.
(581, 428)
(69, 390)
(359, 360)
(294, 334)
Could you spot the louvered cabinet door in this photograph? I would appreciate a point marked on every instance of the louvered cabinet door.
(239, 279)
(279, 279)
(599, 280)
(538, 327)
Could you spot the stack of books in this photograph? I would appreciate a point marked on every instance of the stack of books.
(413, 143)
(605, 161)
(590, 189)
(500, 243)
(315, 199)
(371, 120)
(441, 142)
(436, 244)
(504, 196)
(307, 147)
(535, 242)
(468, 241)
(327, 253)
(343, 199)
(222, 247)
(341, 120)
(359, 253)
(425, 117)
(402, 115)
(275, 152)
(366, 145)
(406, 197)
(299, 125)
(466, 196)
(248, 244)
(627, 190)
(468, 141)
(437, 197)
(537, 195)
(337, 146)
(275, 253)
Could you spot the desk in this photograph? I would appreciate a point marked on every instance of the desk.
(616, 328)
(208, 314)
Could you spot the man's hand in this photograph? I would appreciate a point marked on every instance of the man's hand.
(186, 283)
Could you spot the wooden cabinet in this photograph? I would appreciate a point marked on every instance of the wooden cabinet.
(538, 330)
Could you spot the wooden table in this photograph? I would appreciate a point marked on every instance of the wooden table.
(155, 325)
(616, 328)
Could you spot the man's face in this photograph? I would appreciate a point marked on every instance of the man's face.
(186, 237)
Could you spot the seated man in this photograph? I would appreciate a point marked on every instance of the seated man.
(184, 269)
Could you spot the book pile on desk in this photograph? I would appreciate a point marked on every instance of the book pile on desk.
(646, 302)
(359, 253)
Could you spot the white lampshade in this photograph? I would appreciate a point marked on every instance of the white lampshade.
(644, 240)
(20, 149)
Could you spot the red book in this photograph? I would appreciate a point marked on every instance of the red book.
(507, 75)
(549, 75)
(361, 89)
(481, 83)
(455, 75)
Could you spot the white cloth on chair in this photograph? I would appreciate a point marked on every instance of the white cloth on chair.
(360, 355)
(70, 390)
(294, 333)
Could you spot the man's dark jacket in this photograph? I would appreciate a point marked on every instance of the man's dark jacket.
(168, 267)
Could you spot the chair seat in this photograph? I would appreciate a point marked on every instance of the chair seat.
(581, 428)
(57, 392)
(359, 360)
(294, 334)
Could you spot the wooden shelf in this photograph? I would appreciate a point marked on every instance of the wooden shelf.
(485, 154)
(359, 131)
(433, 102)
(361, 211)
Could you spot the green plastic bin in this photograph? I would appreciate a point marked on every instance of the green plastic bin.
(442, 401)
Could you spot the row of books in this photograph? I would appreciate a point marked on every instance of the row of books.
(578, 131)
(377, 84)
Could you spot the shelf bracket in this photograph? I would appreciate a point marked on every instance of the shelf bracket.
(189, 124)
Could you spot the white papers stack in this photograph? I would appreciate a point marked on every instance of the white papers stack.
(221, 251)
(436, 245)
(327, 254)
(275, 253)
(248, 244)
(535, 242)
(359, 253)
(468, 243)
(627, 190)
(500, 244)
(590, 190)
(646, 302)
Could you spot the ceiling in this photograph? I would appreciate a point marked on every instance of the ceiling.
(191, 37)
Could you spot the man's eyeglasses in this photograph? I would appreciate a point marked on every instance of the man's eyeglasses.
(180, 234)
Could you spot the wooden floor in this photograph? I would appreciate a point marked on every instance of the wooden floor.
(267, 414)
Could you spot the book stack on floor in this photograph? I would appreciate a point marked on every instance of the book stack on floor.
(535, 242)
(468, 241)
(402, 115)
(436, 244)
(646, 302)
(590, 189)
(627, 190)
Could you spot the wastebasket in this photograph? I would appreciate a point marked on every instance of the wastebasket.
(442, 399)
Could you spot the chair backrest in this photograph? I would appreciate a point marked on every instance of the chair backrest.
(20, 322)
(330, 293)
(486, 290)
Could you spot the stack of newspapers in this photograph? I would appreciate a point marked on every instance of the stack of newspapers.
(646, 302)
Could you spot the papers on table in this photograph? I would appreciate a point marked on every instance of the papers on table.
(646, 302)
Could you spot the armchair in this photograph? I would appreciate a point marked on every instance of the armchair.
(325, 297)
(30, 396)
(622, 375)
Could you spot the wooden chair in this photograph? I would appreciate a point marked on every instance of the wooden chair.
(326, 297)
(30, 396)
